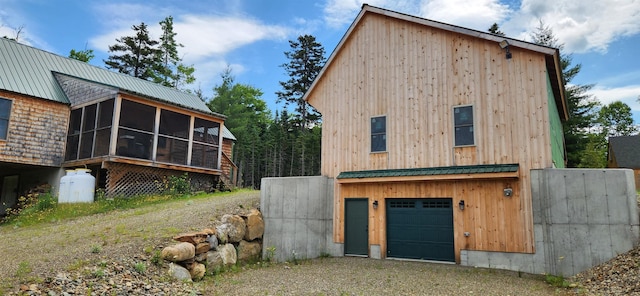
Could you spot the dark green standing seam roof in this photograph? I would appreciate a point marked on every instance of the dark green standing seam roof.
(451, 170)
(29, 71)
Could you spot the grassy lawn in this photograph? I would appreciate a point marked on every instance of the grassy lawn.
(46, 209)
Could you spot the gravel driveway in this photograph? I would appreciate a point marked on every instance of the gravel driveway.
(364, 276)
(101, 255)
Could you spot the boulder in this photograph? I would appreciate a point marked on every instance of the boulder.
(214, 261)
(209, 231)
(213, 242)
(202, 247)
(248, 251)
(197, 272)
(234, 227)
(228, 254)
(221, 234)
(201, 257)
(179, 273)
(255, 225)
(192, 237)
(179, 252)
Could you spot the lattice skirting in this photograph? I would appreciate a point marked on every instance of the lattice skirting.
(129, 180)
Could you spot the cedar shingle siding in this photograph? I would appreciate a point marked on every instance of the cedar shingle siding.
(37, 131)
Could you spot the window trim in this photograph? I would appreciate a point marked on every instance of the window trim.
(386, 149)
(8, 119)
(473, 124)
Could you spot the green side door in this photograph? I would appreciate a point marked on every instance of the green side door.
(356, 226)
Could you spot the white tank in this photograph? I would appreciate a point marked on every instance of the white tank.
(64, 191)
(82, 186)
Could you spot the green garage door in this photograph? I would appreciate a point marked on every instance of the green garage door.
(420, 229)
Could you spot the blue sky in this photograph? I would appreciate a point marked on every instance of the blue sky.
(251, 36)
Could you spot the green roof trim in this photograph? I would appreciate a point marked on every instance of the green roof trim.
(450, 170)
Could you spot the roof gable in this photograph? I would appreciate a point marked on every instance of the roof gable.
(30, 71)
(552, 55)
(626, 150)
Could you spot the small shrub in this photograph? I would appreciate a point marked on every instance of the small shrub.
(325, 255)
(140, 267)
(556, 281)
(176, 185)
(95, 249)
(157, 258)
(98, 273)
(23, 269)
(270, 254)
(294, 258)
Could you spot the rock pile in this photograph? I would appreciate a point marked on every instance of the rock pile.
(236, 238)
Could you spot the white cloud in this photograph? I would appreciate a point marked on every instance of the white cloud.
(338, 13)
(581, 27)
(478, 15)
(205, 36)
(627, 94)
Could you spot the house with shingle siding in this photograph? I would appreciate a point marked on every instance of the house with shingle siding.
(58, 114)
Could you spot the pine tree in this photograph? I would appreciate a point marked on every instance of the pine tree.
(306, 59)
(169, 71)
(134, 55)
(82, 55)
(494, 29)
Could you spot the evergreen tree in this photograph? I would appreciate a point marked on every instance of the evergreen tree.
(494, 29)
(306, 59)
(581, 106)
(169, 71)
(134, 55)
(82, 55)
(247, 118)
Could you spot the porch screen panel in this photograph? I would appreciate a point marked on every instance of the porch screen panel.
(73, 134)
(135, 134)
(206, 135)
(103, 131)
(88, 129)
(173, 137)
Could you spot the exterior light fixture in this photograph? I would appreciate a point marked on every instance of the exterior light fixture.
(375, 204)
(508, 192)
(461, 204)
(504, 44)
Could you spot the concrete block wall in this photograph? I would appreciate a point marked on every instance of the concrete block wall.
(582, 218)
(298, 217)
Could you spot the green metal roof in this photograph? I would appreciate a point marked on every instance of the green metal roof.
(451, 170)
(29, 71)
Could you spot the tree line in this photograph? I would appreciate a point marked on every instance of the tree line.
(287, 143)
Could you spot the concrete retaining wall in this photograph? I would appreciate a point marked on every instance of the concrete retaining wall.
(582, 217)
(298, 217)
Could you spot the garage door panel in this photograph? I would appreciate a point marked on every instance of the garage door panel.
(420, 229)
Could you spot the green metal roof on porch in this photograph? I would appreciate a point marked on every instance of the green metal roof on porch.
(450, 170)
(29, 71)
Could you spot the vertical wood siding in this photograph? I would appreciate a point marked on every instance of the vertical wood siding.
(415, 75)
